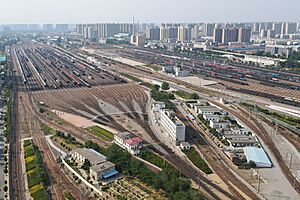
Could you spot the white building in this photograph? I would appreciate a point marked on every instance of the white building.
(172, 126)
(181, 73)
(129, 142)
(137, 40)
(103, 171)
(168, 69)
(212, 117)
(219, 124)
(207, 110)
(240, 140)
(80, 155)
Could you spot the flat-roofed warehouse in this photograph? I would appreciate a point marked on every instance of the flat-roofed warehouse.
(258, 156)
(95, 158)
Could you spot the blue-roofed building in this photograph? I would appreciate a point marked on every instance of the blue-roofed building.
(258, 156)
(103, 171)
(2, 58)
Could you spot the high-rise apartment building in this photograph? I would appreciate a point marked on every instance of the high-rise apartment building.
(288, 28)
(184, 34)
(217, 35)
(208, 29)
(244, 34)
(48, 27)
(276, 26)
(61, 27)
(163, 32)
(229, 35)
(195, 32)
(152, 33)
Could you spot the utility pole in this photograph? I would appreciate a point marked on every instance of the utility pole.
(291, 160)
(258, 187)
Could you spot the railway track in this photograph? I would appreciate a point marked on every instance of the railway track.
(17, 190)
(216, 161)
(257, 127)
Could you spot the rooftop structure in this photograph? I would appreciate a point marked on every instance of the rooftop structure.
(258, 156)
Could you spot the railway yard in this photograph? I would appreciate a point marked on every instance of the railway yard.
(282, 87)
(66, 82)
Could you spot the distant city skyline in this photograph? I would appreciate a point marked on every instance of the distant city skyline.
(156, 11)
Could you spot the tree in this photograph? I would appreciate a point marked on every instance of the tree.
(252, 164)
(165, 86)
(194, 96)
(156, 87)
(86, 165)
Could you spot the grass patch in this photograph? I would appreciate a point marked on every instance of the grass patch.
(101, 133)
(154, 159)
(195, 158)
(36, 174)
(186, 95)
(47, 130)
(29, 158)
(40, 194)
(68, 196)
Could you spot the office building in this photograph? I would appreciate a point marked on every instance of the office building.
(172, 126)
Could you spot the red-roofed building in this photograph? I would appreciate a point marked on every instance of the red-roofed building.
(129, 142)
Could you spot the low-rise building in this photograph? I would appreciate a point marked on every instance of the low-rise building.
(258, 156)
(129, 142)
(219, 124)
(103, 171)
(212, 117)
(206, 109)
(82, 154)
(172, 126)
(240, 140)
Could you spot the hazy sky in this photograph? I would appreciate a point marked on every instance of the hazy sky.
(82, 11)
